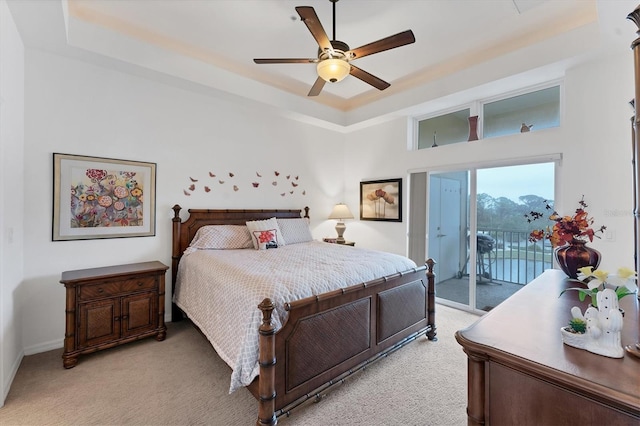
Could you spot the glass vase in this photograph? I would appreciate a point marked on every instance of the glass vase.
(576, 255)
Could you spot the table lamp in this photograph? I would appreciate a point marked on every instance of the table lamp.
(340, 212)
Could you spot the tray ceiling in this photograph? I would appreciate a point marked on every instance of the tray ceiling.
(211, 44)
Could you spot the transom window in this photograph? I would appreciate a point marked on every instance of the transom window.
(444, 129)
(522, 113)
(529, 112)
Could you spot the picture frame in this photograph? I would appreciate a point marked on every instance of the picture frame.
(95, 197)
(381, 200)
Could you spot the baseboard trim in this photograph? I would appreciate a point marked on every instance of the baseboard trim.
(6, 386)
(44, 347)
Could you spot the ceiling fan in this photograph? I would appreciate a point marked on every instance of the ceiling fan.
(334, 56)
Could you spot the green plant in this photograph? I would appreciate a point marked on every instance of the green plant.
(578, 325)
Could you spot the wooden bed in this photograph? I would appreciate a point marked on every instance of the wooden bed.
(366, 321)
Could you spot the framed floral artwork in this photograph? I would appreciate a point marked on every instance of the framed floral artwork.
(381, 200)
(97, 197)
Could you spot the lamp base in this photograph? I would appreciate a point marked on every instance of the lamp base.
(340, 228)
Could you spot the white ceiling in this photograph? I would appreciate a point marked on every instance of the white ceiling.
(209, 45)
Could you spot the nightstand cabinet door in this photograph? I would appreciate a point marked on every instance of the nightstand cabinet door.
(139, 314)
(99, 322)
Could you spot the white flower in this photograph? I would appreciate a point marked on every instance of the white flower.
(623, 283)
(593, 279)
(625, 278)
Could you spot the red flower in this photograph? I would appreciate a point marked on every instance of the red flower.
(265, 236)
(566, 228)
(96, 174)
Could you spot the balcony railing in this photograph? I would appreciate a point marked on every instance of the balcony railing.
(513, 258)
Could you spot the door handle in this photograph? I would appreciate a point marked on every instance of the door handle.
(441, 235)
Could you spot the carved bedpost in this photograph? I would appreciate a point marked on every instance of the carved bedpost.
(635, 46)
(267, 360)
(176, 314)
(431, 299)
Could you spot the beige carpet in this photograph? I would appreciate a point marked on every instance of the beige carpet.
(181, 381)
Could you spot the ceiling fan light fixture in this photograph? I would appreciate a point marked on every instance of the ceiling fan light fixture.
(334, 56)
(333, 70)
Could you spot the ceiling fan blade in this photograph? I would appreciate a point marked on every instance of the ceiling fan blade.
(317, 87)
(310, 19)
(368, 78)
(391, 42)
(285, 60)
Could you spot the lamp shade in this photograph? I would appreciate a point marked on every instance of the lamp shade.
(333, 70)
(341, 211)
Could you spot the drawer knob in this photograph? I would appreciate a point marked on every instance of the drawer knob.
(140, 284)
(100, 290)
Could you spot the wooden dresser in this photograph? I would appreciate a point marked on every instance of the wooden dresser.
(520, 372)
(109, 306)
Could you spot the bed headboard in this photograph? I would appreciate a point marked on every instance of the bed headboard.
(183, 232)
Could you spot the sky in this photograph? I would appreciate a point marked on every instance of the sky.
(514, 181)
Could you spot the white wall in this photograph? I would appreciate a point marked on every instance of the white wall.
(594, 140)
(76, 108)
(11, 197)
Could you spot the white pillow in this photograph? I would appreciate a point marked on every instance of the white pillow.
(265, 234)
(295, 230)
(220, 237)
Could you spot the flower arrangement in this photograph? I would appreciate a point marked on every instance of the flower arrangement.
(566, 228)
(624, 283)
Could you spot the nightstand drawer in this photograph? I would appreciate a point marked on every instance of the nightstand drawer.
(113, 288)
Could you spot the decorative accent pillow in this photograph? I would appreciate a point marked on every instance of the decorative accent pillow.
(266, 239)
(271, 239)
(295, 230)
(220, 237)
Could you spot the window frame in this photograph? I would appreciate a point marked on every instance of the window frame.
(415, 139)
(519, 92)
(476, 107)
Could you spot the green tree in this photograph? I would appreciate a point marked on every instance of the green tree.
(507, 215)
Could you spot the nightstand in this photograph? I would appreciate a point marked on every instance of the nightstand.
(334, 241)
(110, 306)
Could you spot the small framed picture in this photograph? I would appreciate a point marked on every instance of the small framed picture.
(97, 197)
(381, 200)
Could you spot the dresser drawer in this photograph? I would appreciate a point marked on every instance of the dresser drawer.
(113, 288)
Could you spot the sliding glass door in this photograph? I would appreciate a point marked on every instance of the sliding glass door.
(477, 232)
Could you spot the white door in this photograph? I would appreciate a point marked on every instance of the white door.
(444, 225)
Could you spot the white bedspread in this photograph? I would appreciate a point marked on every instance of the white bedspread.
(220, 290)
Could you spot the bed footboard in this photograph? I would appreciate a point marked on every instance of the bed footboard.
(327, 337)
